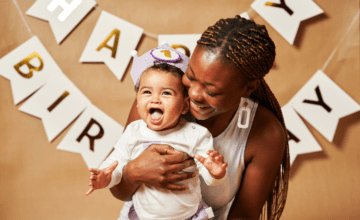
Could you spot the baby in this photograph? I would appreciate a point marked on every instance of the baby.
(162, 99)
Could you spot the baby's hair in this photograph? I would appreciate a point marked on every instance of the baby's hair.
(177, 72)
(249, 47)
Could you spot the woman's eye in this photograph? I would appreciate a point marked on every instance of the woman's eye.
(211, 94)
(187, 76)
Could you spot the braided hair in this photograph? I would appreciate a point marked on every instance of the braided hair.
(249, 47)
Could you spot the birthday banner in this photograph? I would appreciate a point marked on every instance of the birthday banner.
(111, 42)
(58, 102)
(61, 24)
(285, 16)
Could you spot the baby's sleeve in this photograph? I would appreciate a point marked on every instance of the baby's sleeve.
(202, 145)
(121, 153)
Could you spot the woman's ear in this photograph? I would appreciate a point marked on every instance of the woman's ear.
(251, 86)
(186, 105)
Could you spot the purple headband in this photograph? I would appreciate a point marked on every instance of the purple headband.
(161, 54)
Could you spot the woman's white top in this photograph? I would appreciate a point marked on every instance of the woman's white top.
(231, 144)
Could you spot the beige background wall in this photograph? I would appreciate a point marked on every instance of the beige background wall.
(39, 182)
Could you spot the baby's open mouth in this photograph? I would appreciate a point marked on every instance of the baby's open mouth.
(156, 113)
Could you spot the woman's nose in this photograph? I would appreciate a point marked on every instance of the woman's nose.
(195, 92)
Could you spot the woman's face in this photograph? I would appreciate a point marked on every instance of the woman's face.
(214, 87)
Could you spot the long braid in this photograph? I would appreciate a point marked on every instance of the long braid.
(249, 47)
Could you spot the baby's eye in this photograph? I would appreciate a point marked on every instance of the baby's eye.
(146, 92)
(167, 93)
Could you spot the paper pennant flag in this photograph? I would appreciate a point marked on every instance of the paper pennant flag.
(63, 15)
(301, 140)
(245, 15)
(28, 67)
(285, 16)
(185, 43)
(57, 103)
(111, 42)
(93, 135)
(322, 103)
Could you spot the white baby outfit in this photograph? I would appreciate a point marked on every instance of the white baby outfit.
(231, 144)
(156, 203)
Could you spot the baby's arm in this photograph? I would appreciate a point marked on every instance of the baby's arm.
(214, 163)
(100, 178)
(209, 162)
(109, 173)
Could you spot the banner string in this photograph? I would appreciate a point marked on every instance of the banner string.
(341, 40)
(23, 17)
(145, 32)
(250, 9)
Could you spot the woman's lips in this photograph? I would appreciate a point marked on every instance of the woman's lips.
(198, 108)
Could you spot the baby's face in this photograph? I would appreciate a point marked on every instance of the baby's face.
(161, 100)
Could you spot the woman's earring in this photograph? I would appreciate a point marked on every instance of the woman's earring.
(244, 116)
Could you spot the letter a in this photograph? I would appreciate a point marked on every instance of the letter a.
(116, 41)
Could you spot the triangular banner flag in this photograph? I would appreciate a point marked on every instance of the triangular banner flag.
(245, 15)
(301, 140)
(71, 13)
(111, 42)
(185, 43)
(28, 67)
(93, 135)
(285, 16)
(322, 103)
(57, 103)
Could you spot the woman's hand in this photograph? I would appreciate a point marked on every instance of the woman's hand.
(159, 166)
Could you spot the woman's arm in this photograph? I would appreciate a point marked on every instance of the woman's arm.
(264, 152)
(156, 166)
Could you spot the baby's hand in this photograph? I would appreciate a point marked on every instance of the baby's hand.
(100, 178)
(214, 163)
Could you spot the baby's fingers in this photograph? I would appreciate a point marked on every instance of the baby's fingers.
(220, 158)
(212, 153)
(224, 165)
(90, 191)
(94, 171)
(200, 158)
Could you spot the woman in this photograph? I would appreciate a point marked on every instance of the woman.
(226, 73)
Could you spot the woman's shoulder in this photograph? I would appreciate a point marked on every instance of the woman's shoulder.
(267, 135)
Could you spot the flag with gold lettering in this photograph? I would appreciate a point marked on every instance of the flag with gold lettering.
(57, 103)
(111, 42)
(28, 67)
(185, 43)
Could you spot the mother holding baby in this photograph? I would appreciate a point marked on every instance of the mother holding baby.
(228, 96)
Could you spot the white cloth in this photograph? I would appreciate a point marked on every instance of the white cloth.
(156, 203)
(231, 144)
